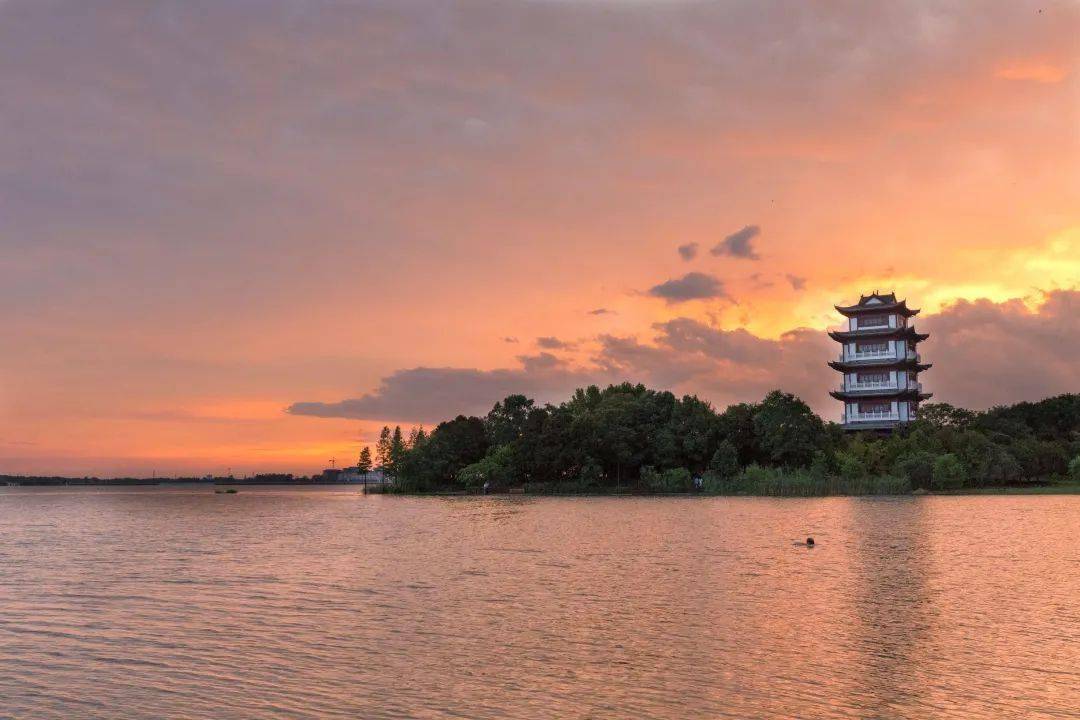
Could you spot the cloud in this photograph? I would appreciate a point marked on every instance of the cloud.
(426, 394)
(738, 244)
(974, 346)
(688, 251)
(601, 311)
(510, 339)
(553, 343)
(987, 353)
(1036, 70)
(797, 282)
(692, 286)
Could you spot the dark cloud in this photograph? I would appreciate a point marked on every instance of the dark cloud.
(738, 244)
(509, 339)
(976, 348)
(797, 282)
(692, 286)
(759, 281)
(688, 251)
(432, 394)
(540, 362)
(987, 353)
(601, 311)
(553, 343)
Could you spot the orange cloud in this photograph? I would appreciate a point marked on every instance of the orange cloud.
(1033, 70)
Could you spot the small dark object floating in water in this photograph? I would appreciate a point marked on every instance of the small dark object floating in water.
(809, 543)
(230, 491)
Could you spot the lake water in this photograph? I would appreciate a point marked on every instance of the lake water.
(323, 603)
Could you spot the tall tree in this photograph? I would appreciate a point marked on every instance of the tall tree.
(506, 421)
(363, 466)
(397, 451)
(382, 448)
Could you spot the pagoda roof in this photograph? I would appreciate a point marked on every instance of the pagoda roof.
(877, 302)
(880, 363)
(892, 393)
(887, 333)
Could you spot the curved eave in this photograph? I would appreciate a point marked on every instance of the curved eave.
(882, 334)
(880, 364)
(899, 308)
(905, 394)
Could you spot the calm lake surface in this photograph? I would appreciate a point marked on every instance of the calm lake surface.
(322, 603)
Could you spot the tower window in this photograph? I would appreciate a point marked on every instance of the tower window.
(873, 321)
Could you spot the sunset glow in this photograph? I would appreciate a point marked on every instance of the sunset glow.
(221, 226)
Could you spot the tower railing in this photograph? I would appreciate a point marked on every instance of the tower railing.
(871, 416)
(876, 385)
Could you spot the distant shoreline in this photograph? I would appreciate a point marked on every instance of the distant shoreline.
(36, 481)
(1065, 488)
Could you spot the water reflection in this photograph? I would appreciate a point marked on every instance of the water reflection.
(890, 558)
(322, 603)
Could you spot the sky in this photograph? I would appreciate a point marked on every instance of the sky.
(241, 235)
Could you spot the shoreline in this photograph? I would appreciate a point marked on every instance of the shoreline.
(1066, 488)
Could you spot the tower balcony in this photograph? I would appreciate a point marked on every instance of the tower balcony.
(871, 387)
(870, 420)
(871, 416)
(903, 353)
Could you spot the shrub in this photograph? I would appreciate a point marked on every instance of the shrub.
(725, 461)
(1074, 468)
(673, 480)
(850, 466)
(917, 467)
(948, 472)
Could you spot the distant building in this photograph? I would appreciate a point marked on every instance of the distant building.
(351, 475)
(880, 364)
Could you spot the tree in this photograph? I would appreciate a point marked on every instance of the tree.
(724, 464)
(506, 421)
(850, 466)
(396, 453)
(382, 448)
(1074, 468)
(948, 473)
(918, 468)
(435, 462)
(787, 431)
(941, 415)
(364, 464)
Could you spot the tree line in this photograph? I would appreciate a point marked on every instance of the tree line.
(629, 438)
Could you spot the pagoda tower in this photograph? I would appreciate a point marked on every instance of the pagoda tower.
(880, 364)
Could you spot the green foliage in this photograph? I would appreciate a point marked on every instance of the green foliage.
(850, 466)
(787, 431)
(364, 464)
(1074, 468)
(495, 468)
(948, 473)
(382, 448)
(725, 461)
(435, 464)
(918, 468)
(395, 454)
(941, 415)
(675, 480)
(506, 421)
(626, 436)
